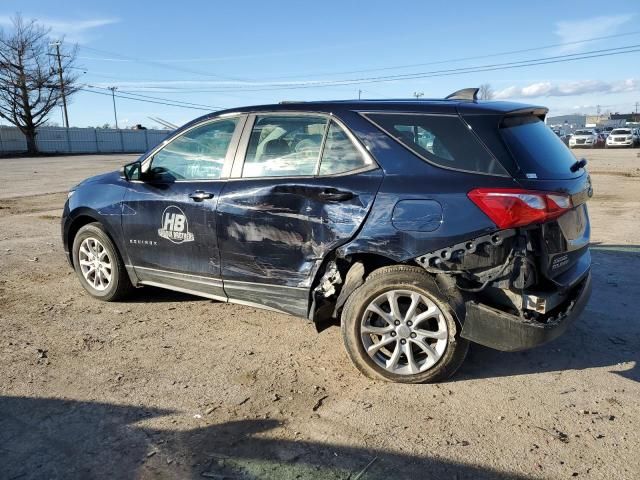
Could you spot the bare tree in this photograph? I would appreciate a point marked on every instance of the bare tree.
(32, 82)
(486, 92)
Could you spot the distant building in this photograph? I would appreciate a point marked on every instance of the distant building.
(627, 117)
(595, 120)
(612, 120)
(569, 122)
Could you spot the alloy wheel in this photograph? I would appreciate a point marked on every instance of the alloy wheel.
(404, 332)
(95, 264)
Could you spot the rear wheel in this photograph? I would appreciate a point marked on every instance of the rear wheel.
(98, 264)
(398, 327)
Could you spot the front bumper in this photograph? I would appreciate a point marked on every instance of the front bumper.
(620, 144)
(500, 330)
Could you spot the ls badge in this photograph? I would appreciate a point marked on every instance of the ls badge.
(175, 226)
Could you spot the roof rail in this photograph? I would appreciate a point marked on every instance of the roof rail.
(464, 94)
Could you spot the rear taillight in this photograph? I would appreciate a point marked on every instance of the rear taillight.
(513, 207)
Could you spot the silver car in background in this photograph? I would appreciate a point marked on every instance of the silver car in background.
(584, 138)
(623, 137)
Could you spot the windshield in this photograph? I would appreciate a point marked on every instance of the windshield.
(621, 131)
(537, 150)
(584, 132)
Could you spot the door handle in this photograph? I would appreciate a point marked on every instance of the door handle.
(200, 195)
(333, 195)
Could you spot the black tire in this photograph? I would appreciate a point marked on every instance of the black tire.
(119, 285)
(400, 278)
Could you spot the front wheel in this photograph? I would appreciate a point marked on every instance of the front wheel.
(398, 327)
(98, 264)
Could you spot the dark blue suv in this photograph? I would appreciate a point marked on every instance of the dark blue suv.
(418, 226)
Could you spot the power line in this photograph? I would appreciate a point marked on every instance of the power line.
(162, 65)
(166, 63)
(175, 101)
(456, 71)
(378, 79)
(149, 101)
(462, 59)
(155, 98)
(435, 73)
(408, 76)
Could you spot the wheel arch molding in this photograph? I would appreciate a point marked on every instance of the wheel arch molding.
(82, 216)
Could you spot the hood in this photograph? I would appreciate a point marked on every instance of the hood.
(109, 177)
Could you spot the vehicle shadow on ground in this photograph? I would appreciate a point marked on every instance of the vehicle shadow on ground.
(66, 439)
(606, 334)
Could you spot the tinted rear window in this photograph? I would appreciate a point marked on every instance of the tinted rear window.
(443, 140)
(537, 150)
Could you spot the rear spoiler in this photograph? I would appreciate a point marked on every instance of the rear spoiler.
(522, 116)
(540, 112)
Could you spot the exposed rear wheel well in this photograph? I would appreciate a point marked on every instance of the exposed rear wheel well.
(371, 261)
(337, 279)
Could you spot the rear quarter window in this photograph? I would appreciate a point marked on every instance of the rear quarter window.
(443, 140)
(536, 149)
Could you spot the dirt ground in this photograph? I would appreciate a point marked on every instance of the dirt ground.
(171, 386)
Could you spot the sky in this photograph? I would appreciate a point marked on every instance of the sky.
(213, 55)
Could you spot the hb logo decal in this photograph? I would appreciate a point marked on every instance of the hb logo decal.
(175, 226)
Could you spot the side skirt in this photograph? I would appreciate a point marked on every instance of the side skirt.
(277, 298)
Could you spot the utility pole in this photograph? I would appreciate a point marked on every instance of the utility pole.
(360, 94)
(113, 97)
(64, 98)
(418, 94)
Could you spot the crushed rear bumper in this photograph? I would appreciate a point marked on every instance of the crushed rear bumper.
(500, 330)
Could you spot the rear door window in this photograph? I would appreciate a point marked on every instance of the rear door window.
(284, 146)
(300, 146)
(537, 150)
(443, 140)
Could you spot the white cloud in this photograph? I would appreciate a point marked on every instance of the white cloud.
(573, 31)
(551, 89)
(72, 31)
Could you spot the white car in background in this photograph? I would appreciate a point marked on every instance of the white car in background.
(584, 138)
(623, 137)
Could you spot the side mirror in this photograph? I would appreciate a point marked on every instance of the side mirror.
(158, 175)
(131, 171)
